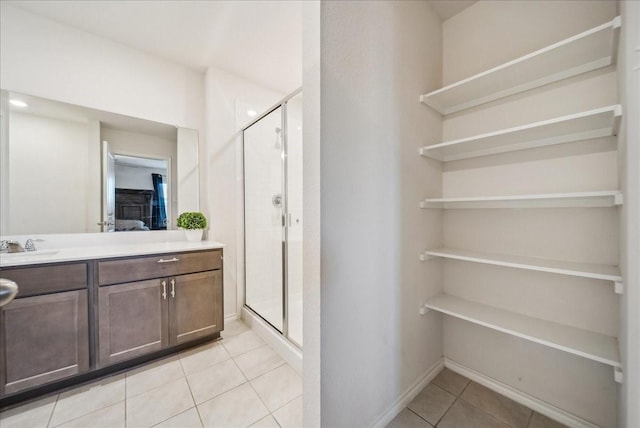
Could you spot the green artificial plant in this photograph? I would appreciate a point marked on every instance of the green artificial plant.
(192, 220)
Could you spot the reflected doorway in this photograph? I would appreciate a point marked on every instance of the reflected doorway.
(141, 192)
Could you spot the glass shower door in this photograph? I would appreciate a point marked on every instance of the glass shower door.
(265, 208)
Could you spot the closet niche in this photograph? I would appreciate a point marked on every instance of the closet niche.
(530, 201)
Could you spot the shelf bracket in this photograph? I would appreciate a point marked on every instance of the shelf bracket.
(617, 374)
(618, 199)
(619, 287)
(423, 257)
(424, 310)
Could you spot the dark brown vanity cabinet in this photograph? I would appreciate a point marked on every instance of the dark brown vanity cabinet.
(146, 304)
(44, 332)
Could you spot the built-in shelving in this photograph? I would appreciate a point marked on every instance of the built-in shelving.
(602, 122)
(587, 344)
(608, 198)
(585, 270)
(589, 50)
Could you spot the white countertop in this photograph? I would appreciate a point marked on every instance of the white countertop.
(54, 255)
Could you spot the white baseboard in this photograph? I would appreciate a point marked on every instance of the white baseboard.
(290, 353)
(231, 317)
(531, 402)
(406, 398)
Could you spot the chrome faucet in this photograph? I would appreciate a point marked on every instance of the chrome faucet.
(29, 245)
(11, 247)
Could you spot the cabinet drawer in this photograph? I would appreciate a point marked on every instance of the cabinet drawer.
(157, 266)
(47, 279)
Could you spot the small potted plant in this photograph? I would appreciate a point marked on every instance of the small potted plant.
(193, 224)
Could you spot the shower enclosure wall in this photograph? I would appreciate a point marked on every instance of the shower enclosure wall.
(272, 154)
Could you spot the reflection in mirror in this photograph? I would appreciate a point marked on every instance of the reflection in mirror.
(55, 180)
(141, 189)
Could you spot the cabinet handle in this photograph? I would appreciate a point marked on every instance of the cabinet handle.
(173, 288)
(175, 259)
(164, 290)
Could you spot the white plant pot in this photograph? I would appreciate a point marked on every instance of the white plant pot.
(194, 235)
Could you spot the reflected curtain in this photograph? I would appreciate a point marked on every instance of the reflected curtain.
(158, 210)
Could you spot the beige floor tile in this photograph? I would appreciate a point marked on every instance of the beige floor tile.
(407, 419)
(215, 380)
(109, 417)
(87, 399)
(266, 422)
(290, 415)
(233, 328)
(463, 414)
(34, 415)
(450, 381)
(237, 408)
(153, 375)
(498, 406)
(258, 362)
(244, 342)
(160, 404)
(278, 387)
(541, 421)
(202, 357)
(431, 403)
(188, 419)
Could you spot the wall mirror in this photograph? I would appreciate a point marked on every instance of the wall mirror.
(71, 169)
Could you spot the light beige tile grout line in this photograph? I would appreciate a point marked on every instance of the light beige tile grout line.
(195, 405)
(256, 392)
(53, 410)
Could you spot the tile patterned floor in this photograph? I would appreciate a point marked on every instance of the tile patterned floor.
(236, 382)
(453, 401)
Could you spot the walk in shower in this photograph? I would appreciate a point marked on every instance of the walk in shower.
(272, 153)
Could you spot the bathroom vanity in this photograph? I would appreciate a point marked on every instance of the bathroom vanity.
(85, 312)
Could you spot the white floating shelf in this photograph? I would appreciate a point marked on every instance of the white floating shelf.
(607, 198)
(590, 50)
(585, 270)
(602, 122)
(594, 346)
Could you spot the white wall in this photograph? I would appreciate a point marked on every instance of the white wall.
(376, 59)
(222, 163)
(474, 41)
(629, 147)
(48, 163)
(44, 58)
(311, 243)
(295, 193)
(131, 177)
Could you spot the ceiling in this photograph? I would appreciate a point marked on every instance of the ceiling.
(448, 8)
(258, 40)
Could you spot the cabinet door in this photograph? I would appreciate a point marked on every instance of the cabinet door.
(43, 339)
(132, 320)
(196, 306)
